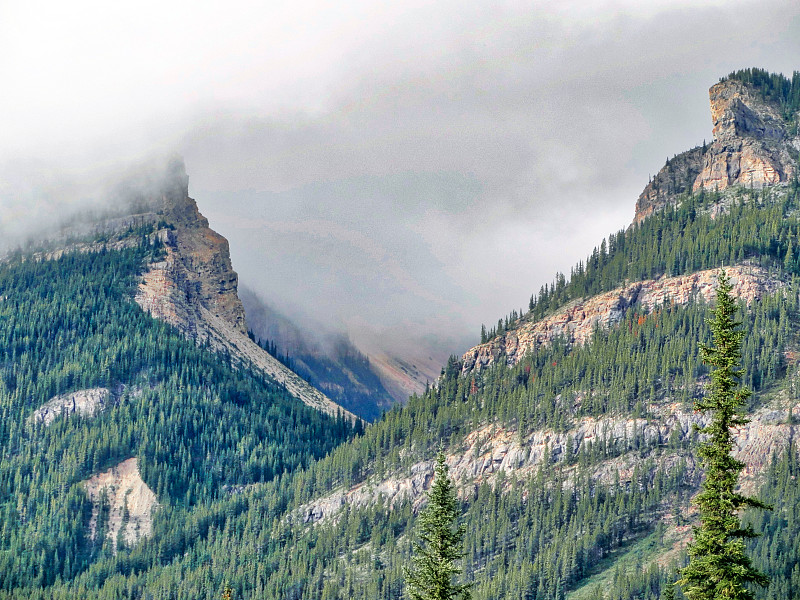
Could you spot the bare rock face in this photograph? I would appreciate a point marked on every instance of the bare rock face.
(80, 402)
(131, 503)
(492, 454)
(577, 322)
(194, 288)
(200, 258)
(752, 146)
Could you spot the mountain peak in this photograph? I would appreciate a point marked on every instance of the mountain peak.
(755, 142)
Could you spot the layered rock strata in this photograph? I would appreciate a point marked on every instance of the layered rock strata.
(492, 450)
(753, 145)
(194, 288)
(577, 322)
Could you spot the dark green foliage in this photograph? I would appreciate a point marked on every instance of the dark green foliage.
(196, 424)
(535, 535)
(775, 552)
(440, 545)
(719, 566)
(774, 87)
(343, 374)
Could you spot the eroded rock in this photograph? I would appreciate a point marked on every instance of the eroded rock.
(131, 503)
(577, 322)
(80, 402)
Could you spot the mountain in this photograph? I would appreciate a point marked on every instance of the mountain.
(568, 430)
(327, 360)
(115, 423)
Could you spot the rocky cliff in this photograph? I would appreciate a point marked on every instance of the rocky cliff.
(494, 453)
(577, 321)
(194, 288)
(754, 144)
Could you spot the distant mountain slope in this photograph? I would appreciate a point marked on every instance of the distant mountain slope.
(329, 361)
(573, 454)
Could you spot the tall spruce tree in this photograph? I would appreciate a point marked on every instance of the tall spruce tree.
(719, 567)
(433, 571)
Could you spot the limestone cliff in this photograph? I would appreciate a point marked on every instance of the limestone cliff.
(754, 145)
(129, 501)
(194, 288)
(577, 321)
(492, 450)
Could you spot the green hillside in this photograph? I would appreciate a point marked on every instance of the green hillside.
(197, 423)
(553, 532)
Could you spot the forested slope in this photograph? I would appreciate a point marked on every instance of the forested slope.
(575, 462)
(569, 507)
(197, 424)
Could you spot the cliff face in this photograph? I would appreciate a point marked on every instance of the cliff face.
(194, 288)
(490, 451)
(198, 259)
(577, 321)
(753, 145)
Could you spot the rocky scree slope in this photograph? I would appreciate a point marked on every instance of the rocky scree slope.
(194, 288)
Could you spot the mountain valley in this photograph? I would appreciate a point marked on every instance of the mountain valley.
(165, 434)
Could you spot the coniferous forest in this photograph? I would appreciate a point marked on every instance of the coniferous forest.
(232, 494)
(260, 496)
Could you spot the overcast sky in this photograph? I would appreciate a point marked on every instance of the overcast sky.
(396, 169)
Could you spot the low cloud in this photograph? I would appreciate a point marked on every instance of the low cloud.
(403, 171)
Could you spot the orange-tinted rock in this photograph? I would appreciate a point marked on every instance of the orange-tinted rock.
(578, 320)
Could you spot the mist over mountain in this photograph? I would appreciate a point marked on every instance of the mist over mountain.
(152, 448)
(417, 170)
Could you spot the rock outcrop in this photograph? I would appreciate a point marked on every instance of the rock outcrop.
(130, 504)
(194, 288)
(80, 402)
(753, 145)
(577, 322)
(492, 450)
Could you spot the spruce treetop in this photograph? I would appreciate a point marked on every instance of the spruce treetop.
(719, 567)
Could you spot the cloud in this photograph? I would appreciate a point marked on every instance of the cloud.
(407, 167)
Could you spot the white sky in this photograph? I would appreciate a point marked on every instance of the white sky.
(398, 169)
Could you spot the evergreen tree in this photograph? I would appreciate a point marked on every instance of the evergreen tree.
(433, 570)
(719, 567)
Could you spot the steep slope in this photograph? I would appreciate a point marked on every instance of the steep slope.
(327, 360)
(568, 432)
(577, 321)
(111, 421)
(756, 141)
(194, 288)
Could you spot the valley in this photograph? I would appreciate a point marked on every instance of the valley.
(153, 448)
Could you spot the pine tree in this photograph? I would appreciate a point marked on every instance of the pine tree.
(431, 576)
(719, 567)
(668, 592)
